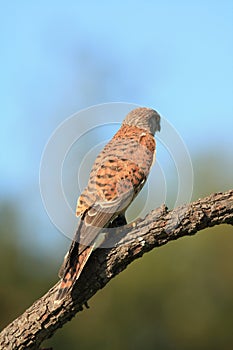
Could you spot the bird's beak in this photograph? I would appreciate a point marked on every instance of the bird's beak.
(158, 127)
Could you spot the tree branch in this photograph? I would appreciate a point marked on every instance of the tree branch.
(160, 226)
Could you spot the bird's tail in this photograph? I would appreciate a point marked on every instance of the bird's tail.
(72, 273)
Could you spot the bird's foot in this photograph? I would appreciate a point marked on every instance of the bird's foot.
(120, 220)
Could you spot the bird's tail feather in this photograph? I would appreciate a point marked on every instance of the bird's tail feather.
(73, 273)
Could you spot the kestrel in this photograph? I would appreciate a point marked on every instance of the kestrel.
(118, 174)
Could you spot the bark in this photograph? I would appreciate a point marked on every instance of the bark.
(160, 226)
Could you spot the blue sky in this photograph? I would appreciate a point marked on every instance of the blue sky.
(56, 58)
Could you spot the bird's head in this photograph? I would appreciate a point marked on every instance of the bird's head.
(143, 118)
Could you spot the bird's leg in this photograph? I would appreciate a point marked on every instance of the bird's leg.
(120, 220)
(110, 232)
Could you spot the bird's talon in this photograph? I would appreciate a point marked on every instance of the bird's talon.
(86, 305)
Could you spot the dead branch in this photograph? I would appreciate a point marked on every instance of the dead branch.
(159, 227)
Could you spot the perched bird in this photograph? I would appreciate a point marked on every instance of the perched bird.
(118, 174)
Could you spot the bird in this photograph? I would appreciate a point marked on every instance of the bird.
(117, 176)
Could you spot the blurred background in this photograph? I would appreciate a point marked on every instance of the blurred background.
(175, 56)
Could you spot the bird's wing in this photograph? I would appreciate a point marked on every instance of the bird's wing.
(87, 236)
(110, 200)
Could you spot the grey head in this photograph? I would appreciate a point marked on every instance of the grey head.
(143, 118)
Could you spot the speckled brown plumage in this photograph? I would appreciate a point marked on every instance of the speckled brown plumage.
(118, 174)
